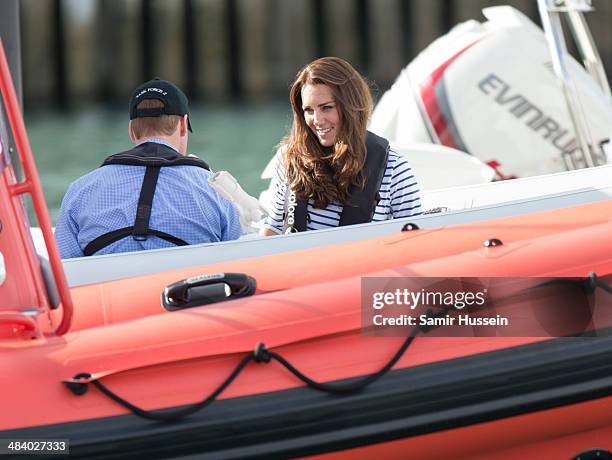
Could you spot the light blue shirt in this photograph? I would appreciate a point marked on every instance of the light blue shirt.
(184, 205)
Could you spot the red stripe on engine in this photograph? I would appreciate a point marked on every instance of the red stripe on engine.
(430, 102)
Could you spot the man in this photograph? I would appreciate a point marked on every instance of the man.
(151, 196)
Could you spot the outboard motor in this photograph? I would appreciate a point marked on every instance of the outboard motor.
(491, 90)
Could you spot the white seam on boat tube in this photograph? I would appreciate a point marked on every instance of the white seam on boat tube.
(2, 269)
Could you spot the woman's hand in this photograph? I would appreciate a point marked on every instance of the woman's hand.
(267, 232)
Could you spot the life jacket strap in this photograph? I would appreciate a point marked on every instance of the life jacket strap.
(362, 202)
(145, 201)
(154, 157)
(140, 231)
(109, 238)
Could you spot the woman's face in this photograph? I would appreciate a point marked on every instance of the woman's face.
(321, 113)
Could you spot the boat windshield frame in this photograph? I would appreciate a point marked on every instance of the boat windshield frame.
(551, 13)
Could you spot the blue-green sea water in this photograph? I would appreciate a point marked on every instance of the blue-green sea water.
(239, 138)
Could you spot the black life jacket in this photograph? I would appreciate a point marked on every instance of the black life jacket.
(153, 156)
(362, 202)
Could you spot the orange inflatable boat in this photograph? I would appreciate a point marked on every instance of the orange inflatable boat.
(244, 359)
(279, 374)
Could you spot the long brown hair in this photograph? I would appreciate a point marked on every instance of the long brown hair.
(325, 174)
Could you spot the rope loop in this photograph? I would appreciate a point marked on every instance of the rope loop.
(261, 353)
(79, 388)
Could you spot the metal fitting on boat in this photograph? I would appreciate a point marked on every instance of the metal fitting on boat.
(410, 226)
(590, 283)
(491, 242)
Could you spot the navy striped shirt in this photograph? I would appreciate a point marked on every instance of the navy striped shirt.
(399, 192)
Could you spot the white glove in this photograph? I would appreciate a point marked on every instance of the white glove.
(229, 188)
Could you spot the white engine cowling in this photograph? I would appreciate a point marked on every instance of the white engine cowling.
(489, 90)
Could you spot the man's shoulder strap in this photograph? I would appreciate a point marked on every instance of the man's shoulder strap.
(153, 154)
(140, 231)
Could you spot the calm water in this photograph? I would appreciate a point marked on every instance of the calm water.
(236, 138)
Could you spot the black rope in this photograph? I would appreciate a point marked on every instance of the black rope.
(262, 355)
(168, 416)
(359, 384)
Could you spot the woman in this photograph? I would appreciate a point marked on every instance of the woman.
(332, 171)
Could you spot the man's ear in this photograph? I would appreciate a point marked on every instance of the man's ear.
(131, 132)
(183, 125)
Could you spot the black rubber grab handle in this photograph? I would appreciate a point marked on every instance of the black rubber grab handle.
(593, 454)
(207, 289)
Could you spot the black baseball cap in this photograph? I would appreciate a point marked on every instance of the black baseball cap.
(175, 101)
